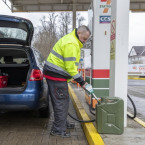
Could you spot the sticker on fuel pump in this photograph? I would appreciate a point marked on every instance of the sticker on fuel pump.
(105, 19)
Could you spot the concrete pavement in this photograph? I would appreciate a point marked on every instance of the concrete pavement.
(136, 90)
(26, 128)
(134, 133)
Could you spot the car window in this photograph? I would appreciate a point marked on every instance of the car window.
(8, 60)
(15, 33)
(39, 57)
(21, 60)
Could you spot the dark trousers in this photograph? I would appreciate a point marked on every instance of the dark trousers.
(60, 101)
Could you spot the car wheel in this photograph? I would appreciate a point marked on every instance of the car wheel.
(44, 112)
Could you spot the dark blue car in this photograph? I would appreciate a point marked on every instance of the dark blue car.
(22, 85)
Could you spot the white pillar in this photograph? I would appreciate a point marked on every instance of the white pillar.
(119, 51)
(101, 34)
(74, 14)
(101, 46)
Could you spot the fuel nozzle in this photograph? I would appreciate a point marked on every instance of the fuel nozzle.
(90, 90)
(97, 98)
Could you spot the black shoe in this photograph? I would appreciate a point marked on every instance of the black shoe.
(70, 125)
(62, 134)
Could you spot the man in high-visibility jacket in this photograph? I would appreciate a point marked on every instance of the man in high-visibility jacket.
(60, 67)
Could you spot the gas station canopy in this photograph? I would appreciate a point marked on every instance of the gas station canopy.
(48, 5)
(61, 5)
(137, 5)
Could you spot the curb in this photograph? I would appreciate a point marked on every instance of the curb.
(137, 120)
(90, 131)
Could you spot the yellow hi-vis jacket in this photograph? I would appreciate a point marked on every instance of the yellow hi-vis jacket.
(65, 55)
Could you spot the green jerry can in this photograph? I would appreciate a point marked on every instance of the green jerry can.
(110, 115)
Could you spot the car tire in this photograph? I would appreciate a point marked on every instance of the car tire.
(44, 112)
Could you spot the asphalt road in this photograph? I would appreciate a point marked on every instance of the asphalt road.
(136, 90)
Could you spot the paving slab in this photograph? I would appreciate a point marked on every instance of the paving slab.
(26, 128)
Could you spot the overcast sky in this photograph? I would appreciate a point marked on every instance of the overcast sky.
(136, 23)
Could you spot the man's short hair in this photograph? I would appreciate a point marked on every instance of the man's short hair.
(84, 28)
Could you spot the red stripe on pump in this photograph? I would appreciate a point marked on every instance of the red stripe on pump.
(100, 73)
(53, 78)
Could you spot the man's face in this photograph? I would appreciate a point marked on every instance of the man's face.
(83, 36)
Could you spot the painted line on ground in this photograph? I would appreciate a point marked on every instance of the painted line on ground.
(135, 78)
(137, 120)
(90, 131)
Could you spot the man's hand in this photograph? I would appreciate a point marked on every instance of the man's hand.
(88, 88)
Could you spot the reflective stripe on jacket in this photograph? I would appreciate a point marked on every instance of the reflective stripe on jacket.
(65, 55)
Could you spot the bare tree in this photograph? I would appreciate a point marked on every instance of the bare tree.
(46, 36)
(53, 27)
(65, 20)
(80, 19)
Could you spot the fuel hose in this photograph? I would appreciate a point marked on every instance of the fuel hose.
(90, 108)
(82, 121)
(134, 108)
(87, 121)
